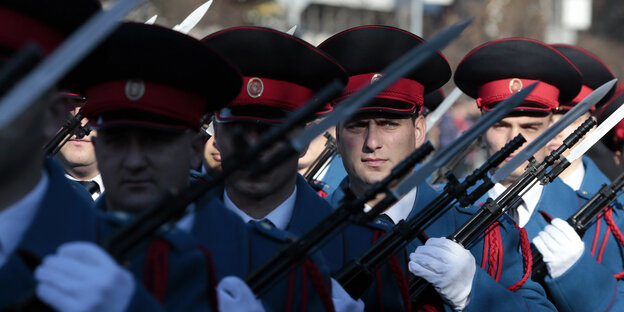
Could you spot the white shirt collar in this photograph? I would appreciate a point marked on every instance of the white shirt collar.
(16, 219)
(530, 200)
(575, 179)
(97, 179)
(280, 216)
(401, 209)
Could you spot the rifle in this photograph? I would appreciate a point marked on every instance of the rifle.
(323, 159)
(581, 219)
(173, 206)
(73, 126)
(356, 276)
(338, 219)
(607, 193)
(268, 273)
(511, 197)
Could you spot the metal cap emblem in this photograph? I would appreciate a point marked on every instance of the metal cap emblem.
(135, 89)
(255, 87)
(515, 85)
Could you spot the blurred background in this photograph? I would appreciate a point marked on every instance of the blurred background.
(595, 25)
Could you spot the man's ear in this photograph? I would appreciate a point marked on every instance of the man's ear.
(420, 130)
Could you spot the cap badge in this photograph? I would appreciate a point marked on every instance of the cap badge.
(255, 87)
(515, 85)
(376, 77)
(135, 89)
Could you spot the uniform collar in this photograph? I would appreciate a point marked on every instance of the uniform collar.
(280, 216)
(401, 209)
(575, 179)
(530, 200)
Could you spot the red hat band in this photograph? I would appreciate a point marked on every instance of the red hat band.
(143, 96)
(585, 91)
(545, 95)
(17, 30)
(274, 93)
(404, 90)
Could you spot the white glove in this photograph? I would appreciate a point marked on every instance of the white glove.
(343, 301)
(560, 246)
(234, 295)
(448, 266)
(82, 277)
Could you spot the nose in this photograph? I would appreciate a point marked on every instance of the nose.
(373, 139)
(135, 159)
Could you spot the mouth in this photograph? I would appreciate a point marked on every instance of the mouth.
(79, 141)
(136, 183)
(216, 156)
(374, 162)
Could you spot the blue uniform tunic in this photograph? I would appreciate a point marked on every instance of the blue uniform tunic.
(603, 255)
(238, 248)
(65, 214)
(600, 290)
(486, 294)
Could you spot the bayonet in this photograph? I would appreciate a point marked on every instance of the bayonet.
(577, 111)
(434, 116)
(151, 20)
(190, 21)
(292, 30)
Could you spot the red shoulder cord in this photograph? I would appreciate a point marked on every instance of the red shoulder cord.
(608, 216)
(156, 268)
(397, 273)
(311, 269)
(211, 278)
(527, 256)
(493, 251)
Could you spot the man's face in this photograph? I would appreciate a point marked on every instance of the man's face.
(138, 165)
(371, 146)
(505, 130)
(78, 152)
(280, 177)
(558, 140)
(212, 156)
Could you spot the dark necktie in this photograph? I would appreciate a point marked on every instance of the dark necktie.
(91, 186)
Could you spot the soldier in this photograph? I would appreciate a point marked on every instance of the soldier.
(583, 175)
(487, 75)
(77, 155)
(282, 72)
(41, 212)
(385, 132)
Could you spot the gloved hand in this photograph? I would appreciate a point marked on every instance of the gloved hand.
(448, 266)
(343, 301)
(234, 295)
(82, 277)
(560, 246)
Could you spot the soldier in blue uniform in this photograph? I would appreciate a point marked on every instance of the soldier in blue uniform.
(386, 131)
(148, 119)
(280, 74)
(582, 175)
(487, 75)
(41, 212)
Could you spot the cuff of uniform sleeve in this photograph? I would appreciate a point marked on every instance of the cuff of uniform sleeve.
(586, 286)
